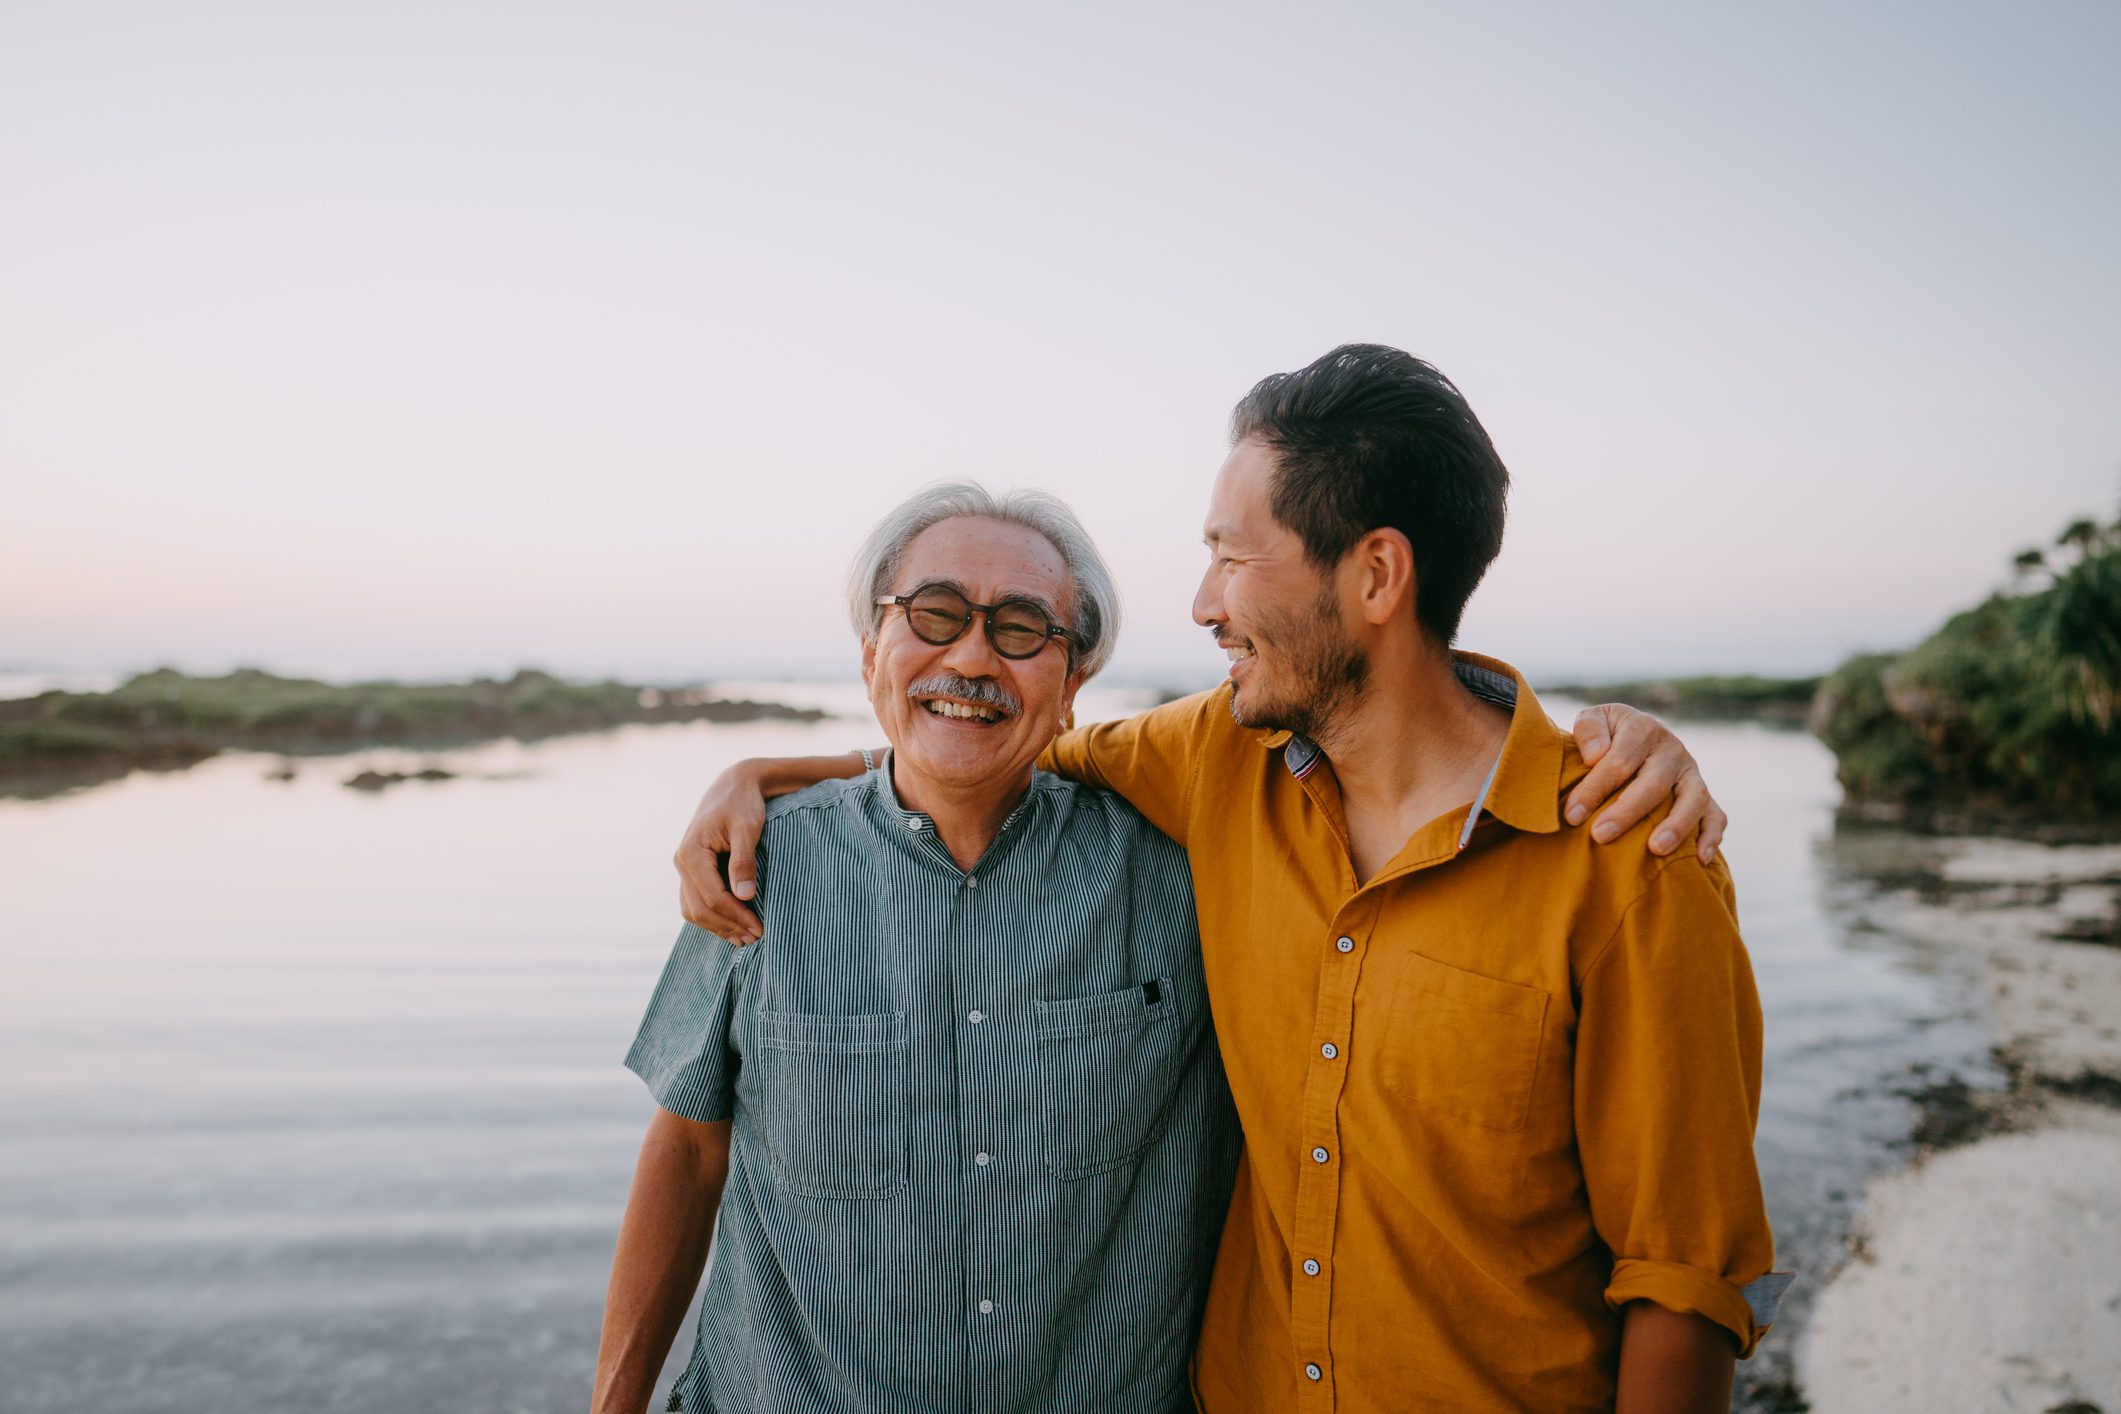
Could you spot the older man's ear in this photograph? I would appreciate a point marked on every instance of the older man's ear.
(1067, 710)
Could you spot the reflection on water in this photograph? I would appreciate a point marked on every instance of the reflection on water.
(311, 1096)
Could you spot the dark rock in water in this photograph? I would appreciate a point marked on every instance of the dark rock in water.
(2092, 1085)
(2098, 932)
(376, 780)
(1775, 1396)
(1950, 1113)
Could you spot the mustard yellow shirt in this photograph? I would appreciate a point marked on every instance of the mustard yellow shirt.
(1503, 1087)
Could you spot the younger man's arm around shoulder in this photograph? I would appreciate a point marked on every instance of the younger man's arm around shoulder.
(1668, 1057)
(677, 1191)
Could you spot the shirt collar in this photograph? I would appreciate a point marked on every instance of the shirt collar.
(916, 829)
(1526, 790)
(1528, 779)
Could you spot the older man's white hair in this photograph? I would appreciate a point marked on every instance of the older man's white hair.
(1095, 612)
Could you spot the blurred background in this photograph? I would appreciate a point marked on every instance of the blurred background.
(470, 409)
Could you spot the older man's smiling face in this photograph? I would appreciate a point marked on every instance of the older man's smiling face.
(959, 716)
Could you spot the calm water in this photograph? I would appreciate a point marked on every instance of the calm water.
(311, 1098)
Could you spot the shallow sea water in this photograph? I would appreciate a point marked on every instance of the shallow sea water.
(310, 1097)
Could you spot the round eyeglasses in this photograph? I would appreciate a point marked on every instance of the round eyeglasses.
(1017, 628)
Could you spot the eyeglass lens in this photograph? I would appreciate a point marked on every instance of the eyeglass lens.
(1016, 627)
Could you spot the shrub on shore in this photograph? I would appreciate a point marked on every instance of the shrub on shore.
(2011, 705)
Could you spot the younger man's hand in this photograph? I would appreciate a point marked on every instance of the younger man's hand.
(725, 827)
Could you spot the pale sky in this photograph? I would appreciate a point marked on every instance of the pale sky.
(443, 337)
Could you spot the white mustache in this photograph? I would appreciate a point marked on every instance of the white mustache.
(982, 692)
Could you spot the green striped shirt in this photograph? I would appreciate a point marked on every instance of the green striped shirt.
(982, 1143)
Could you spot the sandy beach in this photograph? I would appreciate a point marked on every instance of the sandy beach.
(1986, 1276)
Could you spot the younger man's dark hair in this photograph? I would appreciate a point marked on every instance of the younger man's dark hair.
(1370, 437)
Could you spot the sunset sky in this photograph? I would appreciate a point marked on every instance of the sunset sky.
(445, 337)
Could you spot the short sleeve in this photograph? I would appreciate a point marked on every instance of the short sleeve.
(1149, 760)
(1667, 1091)
(685, 1050)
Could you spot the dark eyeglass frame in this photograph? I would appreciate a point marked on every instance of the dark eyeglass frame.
(1067, 636)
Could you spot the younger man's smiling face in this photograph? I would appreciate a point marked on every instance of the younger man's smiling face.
(1293, 660)
(959, 715)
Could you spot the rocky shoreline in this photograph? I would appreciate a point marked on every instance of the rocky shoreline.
(166, 720)
(1986, 1275)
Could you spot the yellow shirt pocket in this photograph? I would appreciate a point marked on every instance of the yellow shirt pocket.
(1462, 1044)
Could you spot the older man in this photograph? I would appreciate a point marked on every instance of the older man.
(960, 1111)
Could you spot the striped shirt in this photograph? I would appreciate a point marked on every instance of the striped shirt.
(982, 1143)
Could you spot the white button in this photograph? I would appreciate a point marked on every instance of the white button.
(913, 822)
(1329, 1050)
(1310, 1266)
(1314, 1372)
(1319, 1156)
(986, 1308)
(971, 883)
(975, 1016)
(1344, 944)
(983, 1158)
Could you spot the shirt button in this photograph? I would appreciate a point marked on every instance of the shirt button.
(1319, 1156)
(1344, 944)
(913, 822)
(975, 1016)
(983, 1158)
(1313, 1372)
(1310, 1266)
(971, 883)
(1329, 1050)
(986, 1308)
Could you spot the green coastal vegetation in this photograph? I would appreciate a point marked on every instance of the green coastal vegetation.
(166, 718)
(1741, 698)
(2008, 716)
(2008, 713)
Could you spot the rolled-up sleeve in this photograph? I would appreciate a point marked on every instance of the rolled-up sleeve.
(1667, 1093)
(686, 1049)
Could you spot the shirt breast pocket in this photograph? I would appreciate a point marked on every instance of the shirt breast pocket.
(1462, 1044)
(1110, 1070)
(834, 1107)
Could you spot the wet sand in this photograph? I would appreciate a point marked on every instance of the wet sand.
(1987, 1275)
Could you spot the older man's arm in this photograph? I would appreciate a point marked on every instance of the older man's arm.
(677, 1190)
(1628, 748)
